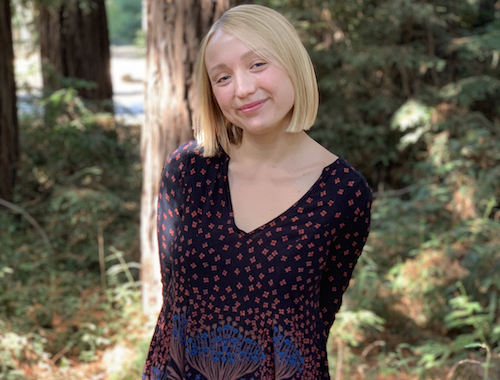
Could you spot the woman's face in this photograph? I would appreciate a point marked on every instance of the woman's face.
(253, 93)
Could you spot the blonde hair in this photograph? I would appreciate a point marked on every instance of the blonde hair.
(273, 37)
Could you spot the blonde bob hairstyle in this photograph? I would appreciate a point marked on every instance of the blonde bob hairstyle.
(268, 33)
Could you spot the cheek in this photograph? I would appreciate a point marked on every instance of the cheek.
(286, 95)
(288, 86)
(289, 93)
(222, 96)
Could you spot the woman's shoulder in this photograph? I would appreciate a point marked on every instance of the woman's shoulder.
(189, 158)
(344, 176)
(185, 152)
(186, 155)
(344, 168)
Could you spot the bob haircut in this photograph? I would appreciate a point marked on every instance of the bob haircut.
(271, 36)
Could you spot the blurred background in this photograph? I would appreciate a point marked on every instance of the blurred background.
(95, 94)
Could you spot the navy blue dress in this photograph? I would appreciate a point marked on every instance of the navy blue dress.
(256, 305)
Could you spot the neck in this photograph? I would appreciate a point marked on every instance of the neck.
(257, 150)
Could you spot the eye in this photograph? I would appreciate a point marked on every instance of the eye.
(259, 64)
(222, 79)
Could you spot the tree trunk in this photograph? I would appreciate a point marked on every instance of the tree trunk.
(486, 12)
(74, 43)
(9, 148)
(174, 31)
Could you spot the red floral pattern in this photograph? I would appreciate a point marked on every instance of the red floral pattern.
(254, 305)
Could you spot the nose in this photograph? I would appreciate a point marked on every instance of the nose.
(245, 84)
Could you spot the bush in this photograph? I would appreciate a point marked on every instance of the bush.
(409, 96)
(79, 183)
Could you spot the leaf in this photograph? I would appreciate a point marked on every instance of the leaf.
(475, 345)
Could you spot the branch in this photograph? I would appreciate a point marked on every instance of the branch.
(394, 193)
(455, 366)
(29, 218)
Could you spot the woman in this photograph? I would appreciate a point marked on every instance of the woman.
(259, 226)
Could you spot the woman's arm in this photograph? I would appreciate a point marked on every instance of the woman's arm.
(170, 208)
(345, 250)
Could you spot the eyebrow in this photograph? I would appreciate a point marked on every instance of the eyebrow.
(223, 65)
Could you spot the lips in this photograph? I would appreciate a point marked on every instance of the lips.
(252, 106)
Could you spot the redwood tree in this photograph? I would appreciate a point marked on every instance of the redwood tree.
(74, 43)
(174, 31)
(9, 149)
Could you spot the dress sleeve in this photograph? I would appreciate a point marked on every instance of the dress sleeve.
(170, 206)
(347, 245)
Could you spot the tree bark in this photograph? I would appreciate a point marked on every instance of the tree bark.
(174, 31)
(74, 43)
(9, 146)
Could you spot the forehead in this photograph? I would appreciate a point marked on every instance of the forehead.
(223, 46)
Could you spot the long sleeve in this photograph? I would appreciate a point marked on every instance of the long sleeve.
(345, 250)
(249, 305)
(170, 205)
(170, 211)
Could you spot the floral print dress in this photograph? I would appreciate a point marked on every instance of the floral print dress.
(252, 305)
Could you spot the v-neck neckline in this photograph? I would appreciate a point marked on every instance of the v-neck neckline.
(229, 201)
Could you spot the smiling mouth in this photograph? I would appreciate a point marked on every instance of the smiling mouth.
(252, 106)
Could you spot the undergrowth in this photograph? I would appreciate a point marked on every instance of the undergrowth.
(410, 93)
(69, 242)
(423, 303)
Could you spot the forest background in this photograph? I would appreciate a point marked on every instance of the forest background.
(410, 95)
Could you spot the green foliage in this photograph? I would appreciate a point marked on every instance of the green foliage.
(409, 95)
(79, 178)
(124, 20)
(373, 57)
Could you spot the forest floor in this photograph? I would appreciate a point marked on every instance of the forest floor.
(124, 358)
